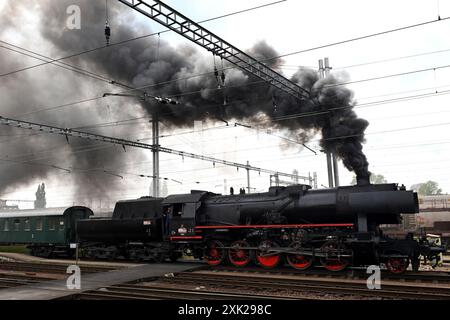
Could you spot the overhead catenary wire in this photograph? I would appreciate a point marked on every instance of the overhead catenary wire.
(71, 169)
(115, 82)
(387, 76)
(136, 38)
(296, 156)
(370, 104)
(295, 67)
(19, 123)
(262, 60)
(256, 82)
(362, 80)
(85, 135)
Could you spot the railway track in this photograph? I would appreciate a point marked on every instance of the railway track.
(48, 267)
(236, 285)
(144, 292)
(11, 281)
(420, 276)
(284, 285)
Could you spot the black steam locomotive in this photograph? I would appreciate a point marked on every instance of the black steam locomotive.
(336, 227)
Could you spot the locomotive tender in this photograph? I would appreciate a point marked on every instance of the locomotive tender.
(336, 228)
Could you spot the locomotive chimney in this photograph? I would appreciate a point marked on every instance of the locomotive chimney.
(363, 180)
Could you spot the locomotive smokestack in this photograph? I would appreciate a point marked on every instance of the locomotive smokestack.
(363, 179)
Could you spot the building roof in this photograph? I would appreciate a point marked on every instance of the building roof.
(32, 212)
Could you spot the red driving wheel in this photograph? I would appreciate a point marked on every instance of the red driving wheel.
(298, 261)
(265, 258)
(397, 265)
(238, 254)
(215, 253)
(332, 260)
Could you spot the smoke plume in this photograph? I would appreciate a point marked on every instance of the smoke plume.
(155, 64)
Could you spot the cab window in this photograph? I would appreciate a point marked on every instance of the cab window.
(177, 210)
(6, 225)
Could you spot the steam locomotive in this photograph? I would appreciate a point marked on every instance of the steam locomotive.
(336, 228)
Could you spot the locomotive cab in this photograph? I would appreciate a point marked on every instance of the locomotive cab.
(180, 214)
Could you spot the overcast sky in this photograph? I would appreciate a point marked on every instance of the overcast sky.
(407, 141)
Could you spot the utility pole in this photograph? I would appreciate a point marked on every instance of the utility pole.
(329, 161)
(155, 151)
(248, 177)
(333, 155)
(332, 163)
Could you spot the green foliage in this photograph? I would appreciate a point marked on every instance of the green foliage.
(374, 179)
(15, 249)
(428, 188)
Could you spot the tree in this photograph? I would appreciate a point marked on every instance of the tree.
(428, 188)
(374, 178)
(40, 202)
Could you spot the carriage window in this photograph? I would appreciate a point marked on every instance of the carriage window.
(6, 226)
(61, 224)
(177, 209)
(39, 224)
(26, 225)
(51, 223)
(16, 225)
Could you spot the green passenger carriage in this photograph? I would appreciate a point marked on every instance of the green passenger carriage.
(46, 232)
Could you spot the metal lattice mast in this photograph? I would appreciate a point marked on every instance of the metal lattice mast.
(176, 21)
(155, 154)
(67, 132)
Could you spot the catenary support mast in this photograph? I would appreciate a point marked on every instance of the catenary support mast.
(179, 23)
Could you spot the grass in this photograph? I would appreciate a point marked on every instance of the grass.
(15, 249)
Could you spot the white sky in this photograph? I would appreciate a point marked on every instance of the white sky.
(406, 156)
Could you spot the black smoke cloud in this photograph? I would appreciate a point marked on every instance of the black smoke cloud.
(152, 61)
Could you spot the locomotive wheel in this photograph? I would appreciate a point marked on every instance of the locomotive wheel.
(265, 259)
(397, 265)
(215, 253)
(300, 262)
(238, 255)
(332, 261)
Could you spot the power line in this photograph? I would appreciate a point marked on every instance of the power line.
(360, 38)
(134, 39)
(278, 119)
(391, 59)
(49, 129)
(370, 104)
(85, 135)
(263, 60)
(387, 76)
(366, 105)
(286, 66)
(113, 123)
(81, 170)
(63, 65)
